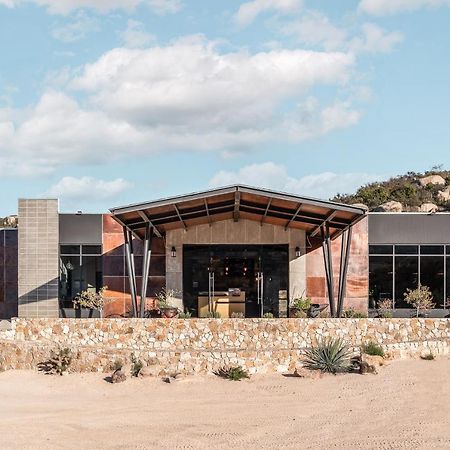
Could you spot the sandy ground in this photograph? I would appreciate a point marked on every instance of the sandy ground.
(405, 406)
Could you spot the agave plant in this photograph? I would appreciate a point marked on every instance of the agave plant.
(330, 355)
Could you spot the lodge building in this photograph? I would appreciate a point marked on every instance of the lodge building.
(236, 250)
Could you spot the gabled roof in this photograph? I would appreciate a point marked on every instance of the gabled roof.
(235, 202)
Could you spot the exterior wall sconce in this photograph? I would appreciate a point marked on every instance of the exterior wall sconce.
(173, 252)
(298, 252)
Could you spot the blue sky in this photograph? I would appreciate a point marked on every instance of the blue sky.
(107, 102)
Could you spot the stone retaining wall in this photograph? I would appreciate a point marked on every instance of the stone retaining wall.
(203, 345)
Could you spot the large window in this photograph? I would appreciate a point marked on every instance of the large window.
(395, 268)
(80, 269)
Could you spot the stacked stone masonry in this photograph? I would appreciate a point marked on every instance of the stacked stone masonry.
(204, 345)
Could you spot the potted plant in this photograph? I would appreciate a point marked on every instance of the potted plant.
(91, 300)
(165, 297)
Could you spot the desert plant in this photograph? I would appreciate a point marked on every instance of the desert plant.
(117, 365)
(58, 363)
(236, 373)
(185, 315)
(90, 299)
(237, 315)
(420, 298)
(428, 357)
(268, 315)
(352, 314)
(329, 355)
(301, 303)
(385, 308)
(165, 296)
(213, 315)
(373, 349)
(136, 365)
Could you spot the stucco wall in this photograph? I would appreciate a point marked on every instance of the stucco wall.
(204, 345)
(241, 232)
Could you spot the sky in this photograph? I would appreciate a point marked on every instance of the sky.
(110, 102)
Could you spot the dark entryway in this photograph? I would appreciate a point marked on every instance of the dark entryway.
(235, 280)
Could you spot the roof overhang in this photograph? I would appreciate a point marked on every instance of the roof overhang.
(236, 202)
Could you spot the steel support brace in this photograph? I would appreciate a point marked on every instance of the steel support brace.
(328, 263)
(129, 254)
(146, 267)
(345, 254)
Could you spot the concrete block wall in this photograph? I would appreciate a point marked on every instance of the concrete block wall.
(38, 268)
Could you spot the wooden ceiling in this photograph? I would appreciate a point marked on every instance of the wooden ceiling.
(238, 202)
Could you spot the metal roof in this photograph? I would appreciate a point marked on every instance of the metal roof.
(235, 202)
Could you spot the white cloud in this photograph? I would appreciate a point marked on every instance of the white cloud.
(248, 11)
(315, 29)
(375, 39)
(276, 176)
(185, 96)
(87, 188)
(76, 29)
(102, 6)
(135, 36)
(387, 7)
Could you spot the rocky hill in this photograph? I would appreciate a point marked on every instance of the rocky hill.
(414, 191)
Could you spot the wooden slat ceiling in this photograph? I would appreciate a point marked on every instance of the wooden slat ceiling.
(262, 205)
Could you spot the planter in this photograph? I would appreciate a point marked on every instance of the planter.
(72, 313)
(169, 313)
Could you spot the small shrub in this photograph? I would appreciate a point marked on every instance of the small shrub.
(58, 363)
(428, 357)
(236, 373)
(237, 315)
(420, 298)
(136, 366)
(90, 299)
(117, 365)
(299, 314)
(352, 314)
(185, 315)
(330, 355)
(213, 315)
(373, 349)
(302, 303)
(385, 308)
(268, 315)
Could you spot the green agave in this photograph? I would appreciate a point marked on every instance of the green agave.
(330, 355)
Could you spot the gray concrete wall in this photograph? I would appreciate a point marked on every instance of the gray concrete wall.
(38, 267)
(81, 229)
(241, 232)
(409, 228)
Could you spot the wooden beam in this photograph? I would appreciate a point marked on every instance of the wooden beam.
(146, 219)
(179, 216)
(237, 201)
(294, 216)
(207, 212)
(327, 219)
(267, 209)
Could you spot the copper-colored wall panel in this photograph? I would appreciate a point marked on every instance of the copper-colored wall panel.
(114, 269)
(357, 275)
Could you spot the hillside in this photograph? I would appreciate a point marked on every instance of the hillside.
(414, 191)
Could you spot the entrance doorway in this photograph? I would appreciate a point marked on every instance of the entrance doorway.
(236, 280)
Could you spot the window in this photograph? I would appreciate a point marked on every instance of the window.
(381, 249)
(80, 269)
(380, 279)
(409, 265)
(406, 277)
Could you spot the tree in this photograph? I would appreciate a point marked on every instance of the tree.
(420, 298)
